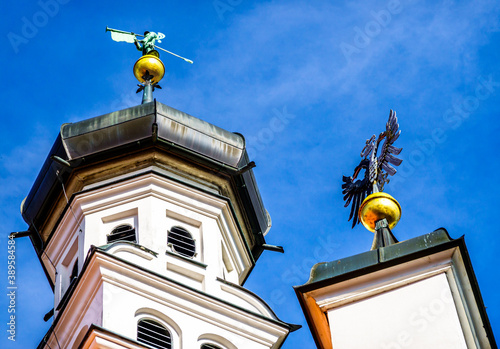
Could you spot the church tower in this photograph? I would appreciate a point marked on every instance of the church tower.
(147, 222)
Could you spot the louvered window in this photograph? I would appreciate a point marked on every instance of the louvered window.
(209, 346)
(154, 334)
(124, 232)
(181, 241)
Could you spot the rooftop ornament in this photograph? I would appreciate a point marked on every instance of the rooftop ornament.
(379, 212)
(148, 69)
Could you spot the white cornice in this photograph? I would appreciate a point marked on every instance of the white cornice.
(384, 286)
(98, 339)
(382, 280)
(103, 269)
(198, 304)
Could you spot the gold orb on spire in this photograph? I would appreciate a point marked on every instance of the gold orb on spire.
(151, 64)
(378, 206)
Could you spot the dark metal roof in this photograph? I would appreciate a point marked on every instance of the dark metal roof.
(327, 270)
(108, 131)
(154, 123)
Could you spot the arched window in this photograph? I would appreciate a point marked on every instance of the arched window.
(154, 334)
(213, 341)
(209, 346)
(124, 232)
(181, 242)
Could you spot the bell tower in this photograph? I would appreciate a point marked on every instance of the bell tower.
(147, 222)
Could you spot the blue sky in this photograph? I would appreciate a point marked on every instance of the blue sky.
(331, 69)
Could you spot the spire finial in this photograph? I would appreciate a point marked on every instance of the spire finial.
(369, 203)
(148, 69)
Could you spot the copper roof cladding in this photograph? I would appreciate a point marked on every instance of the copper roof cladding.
(154, 123)
(129, 125)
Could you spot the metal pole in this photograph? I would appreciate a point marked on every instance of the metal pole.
(147, 93)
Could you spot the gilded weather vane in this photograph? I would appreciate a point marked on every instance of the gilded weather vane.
(368, 204)
(148, 69)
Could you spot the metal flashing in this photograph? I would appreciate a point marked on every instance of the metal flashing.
(292, 327)
(140, 247)
(129, 125)
(186, 259)
(328, 270)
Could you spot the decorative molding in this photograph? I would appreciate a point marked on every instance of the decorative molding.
(384, 286)
(129, 248)
(145, 186)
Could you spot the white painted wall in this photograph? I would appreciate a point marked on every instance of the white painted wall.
(116, 296)
(153, 204)
(183, 294)
(419, 315)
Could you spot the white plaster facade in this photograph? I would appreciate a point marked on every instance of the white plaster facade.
(197, 299)
(423, 303)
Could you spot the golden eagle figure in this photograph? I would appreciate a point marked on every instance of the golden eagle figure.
(356, 190)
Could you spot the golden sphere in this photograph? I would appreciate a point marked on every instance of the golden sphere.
(377, 206)
(152, 64)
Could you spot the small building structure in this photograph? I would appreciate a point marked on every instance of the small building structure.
(147, 222)
(418, 293)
